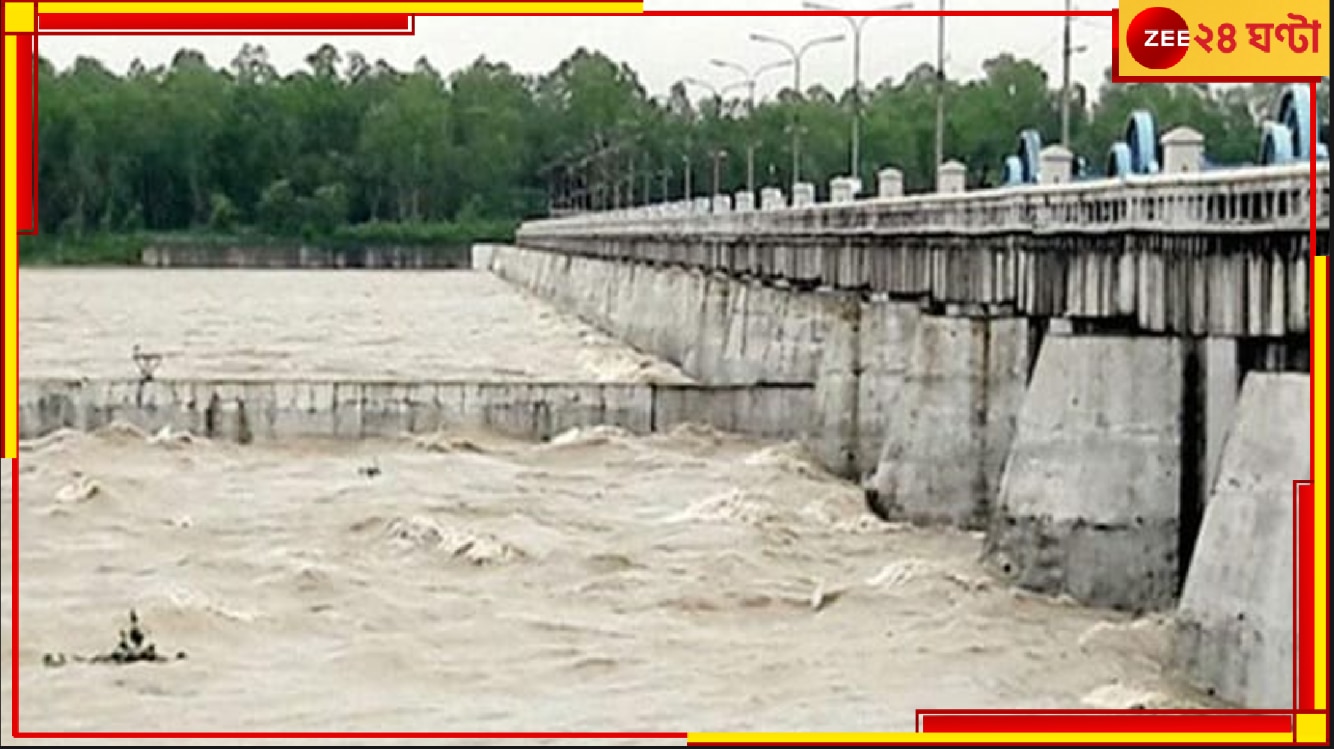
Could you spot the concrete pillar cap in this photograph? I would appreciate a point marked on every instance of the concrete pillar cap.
(1182, 135)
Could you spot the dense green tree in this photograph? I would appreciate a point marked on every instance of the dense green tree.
(345, 141)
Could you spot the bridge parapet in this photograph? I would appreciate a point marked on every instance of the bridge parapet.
(1219, 253)
(1254, 199)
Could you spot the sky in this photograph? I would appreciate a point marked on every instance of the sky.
(664, 50)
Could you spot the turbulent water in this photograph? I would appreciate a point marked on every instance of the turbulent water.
(309, 325)
(598, 582)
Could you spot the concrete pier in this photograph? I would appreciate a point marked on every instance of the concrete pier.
(1090, 501)
(949, 419)
(1234, 624)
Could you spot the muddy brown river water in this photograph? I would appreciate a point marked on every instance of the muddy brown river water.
(600, 582)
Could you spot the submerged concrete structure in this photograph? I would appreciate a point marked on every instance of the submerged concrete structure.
(247, 411)
(1061, 364)
(187, 254)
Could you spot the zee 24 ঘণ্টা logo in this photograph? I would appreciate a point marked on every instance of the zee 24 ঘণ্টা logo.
(1159, 38)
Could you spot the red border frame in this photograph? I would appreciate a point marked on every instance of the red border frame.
(981, 721)
(1111, 721)
(273, 24)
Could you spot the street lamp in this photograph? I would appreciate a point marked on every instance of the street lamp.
(1070, 50)
(796, 53)
(718, 157)
(857, 23)
(717, 95)
(749, 79)
(940, 87)
(648, 180)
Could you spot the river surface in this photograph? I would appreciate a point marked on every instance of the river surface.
(310, 325)
(599, 582)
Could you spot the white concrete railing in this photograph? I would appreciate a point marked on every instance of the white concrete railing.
(1247, 199)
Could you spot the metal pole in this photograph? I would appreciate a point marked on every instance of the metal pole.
(630, 185)
(858, 24)
(750, 150)
(940, 89)
(796, 122)
(688, 169)
(797, 55)
(718, 157)
(750, 167)
(750, 77)
(1065, 79)
(854, 170)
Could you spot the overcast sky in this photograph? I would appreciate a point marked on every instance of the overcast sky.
(666, 49)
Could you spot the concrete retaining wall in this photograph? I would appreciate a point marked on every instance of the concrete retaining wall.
(241, 256)
(246, 411)
(919, 407)
(718, 330)
(1234, 625)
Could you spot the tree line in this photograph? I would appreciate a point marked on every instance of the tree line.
(345, 145)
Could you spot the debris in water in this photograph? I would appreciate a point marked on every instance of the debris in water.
(146, 362)
(820, 598)
(81, 490)
(133, 647)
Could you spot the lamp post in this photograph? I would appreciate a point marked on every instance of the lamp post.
(857, 23)
(718, 157)
(940, 87)
(630, 183)
(797, 54)
(648, 178)
(717, 95)
(718, 99)
(750, 165)
(749, 78)
(1069, 51)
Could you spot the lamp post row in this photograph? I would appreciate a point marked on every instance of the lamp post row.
(857, 24)
(796, 55)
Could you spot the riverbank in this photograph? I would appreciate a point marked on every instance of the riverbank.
(372, 245)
